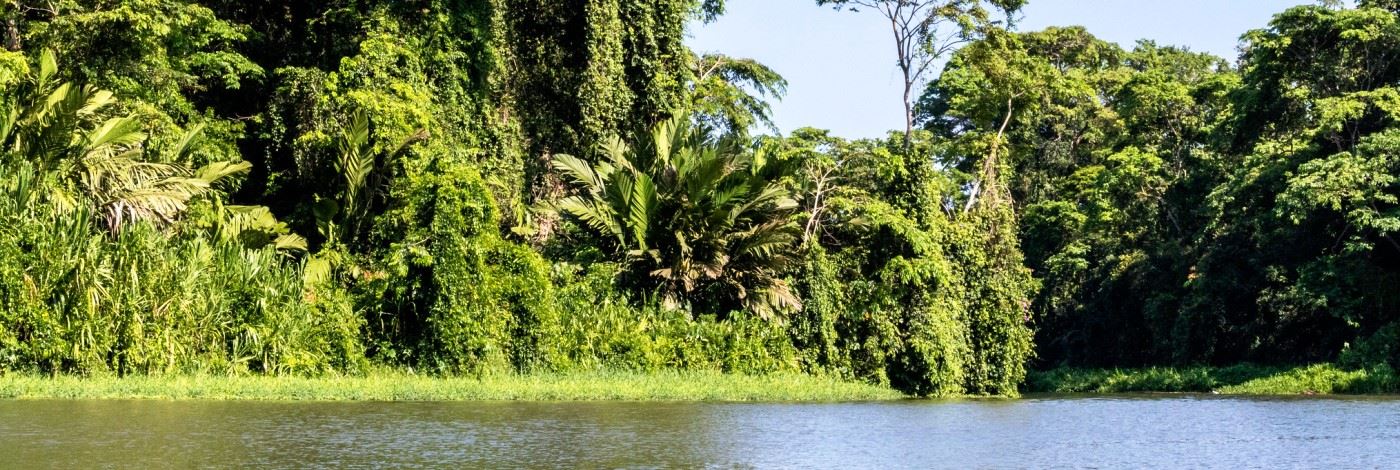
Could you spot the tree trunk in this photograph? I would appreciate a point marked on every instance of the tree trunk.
(908, 114)
(989, 186)
(12, 39)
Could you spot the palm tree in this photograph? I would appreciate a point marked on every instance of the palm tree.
(701, 220)
(362, 171)
(55, 131)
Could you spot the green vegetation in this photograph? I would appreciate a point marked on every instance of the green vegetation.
(528, 190)
(1181, 210)
(702, 223)
(1245, 379)
(668, 386)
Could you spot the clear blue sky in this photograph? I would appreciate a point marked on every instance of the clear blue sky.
(840, 65)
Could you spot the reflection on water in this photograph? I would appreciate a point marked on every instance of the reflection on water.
(1041, 432)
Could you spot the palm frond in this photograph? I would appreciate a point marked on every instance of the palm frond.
(578, 171)
(290, 242)
(113, 136)
(642, 206)
(188, 143)
(97, 168)
(616, 151)
(690, 214)
(256, 227)
(215, 172)
(92, 100)
(48, 66)
(763, 241)
(145, 204)
(593, 215)
(772, 300)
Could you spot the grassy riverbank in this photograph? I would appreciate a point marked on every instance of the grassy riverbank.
(664, 386)
(684, 386)
(1322, 379)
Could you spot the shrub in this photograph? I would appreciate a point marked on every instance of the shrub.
(475, 303)
(601, 328)
(1381, 348)
(74, 300)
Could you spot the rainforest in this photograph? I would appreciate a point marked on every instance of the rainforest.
(539, 188)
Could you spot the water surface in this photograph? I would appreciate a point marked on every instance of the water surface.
(1039, 432)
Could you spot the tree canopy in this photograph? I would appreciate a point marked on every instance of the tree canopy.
(476, 187)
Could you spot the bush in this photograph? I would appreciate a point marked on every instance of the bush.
(472, 302)
(601, 329)
(937, 309)
(1381, 348)
(75, 300)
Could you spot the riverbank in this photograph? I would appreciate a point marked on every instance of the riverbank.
(1321, 379)
(389, 386)
(1246, 379)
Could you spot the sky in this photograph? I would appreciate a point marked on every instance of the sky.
(840, 66)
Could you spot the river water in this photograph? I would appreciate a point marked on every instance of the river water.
(1037, 432)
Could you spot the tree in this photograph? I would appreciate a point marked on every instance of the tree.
(925, 31)
(704, 222)
(12, 40)
(728, 93)
(976, 102)
(823, 160)
(1105, 155)
(1298, 258)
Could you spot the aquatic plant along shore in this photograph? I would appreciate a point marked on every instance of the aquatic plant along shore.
(388, 386)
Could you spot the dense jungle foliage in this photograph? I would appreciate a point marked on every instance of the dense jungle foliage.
(478, 187)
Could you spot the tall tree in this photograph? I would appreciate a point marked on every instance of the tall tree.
(728, 93)
(1095, 143)
(1299, 259)
(925, 31)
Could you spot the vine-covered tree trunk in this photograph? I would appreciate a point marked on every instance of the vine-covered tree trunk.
(13, 42)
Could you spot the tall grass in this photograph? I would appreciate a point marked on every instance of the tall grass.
(398, 386)
(78, 300)
(1242, 379)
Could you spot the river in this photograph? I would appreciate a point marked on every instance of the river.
(1036, 432)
